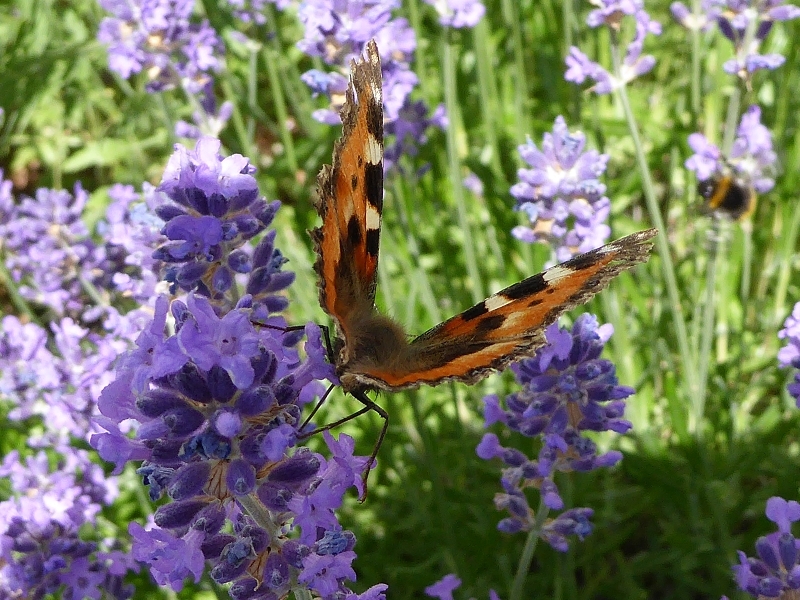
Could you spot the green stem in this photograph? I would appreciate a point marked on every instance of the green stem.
(696, 84)
(709, 316)
(662, 243)
(524, 565)
(454, 169)
(271, 58)
(509, 8)
(788, 250)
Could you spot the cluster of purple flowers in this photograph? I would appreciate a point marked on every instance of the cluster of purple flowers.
(53, 377)
(776, 571)
(789, 355)
(217, 400)
(751, 158)
(567, 389)
(160, 38)
(41, 550)
(611, 13)
(745, 24)
(562, 195)
(55, 263)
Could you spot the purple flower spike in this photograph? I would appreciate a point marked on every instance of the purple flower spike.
(612, 14)
(789, 355)
(562, 194)
(214, 389)
(458, 13)
(159, 38)
(776, 571)
(567, 389)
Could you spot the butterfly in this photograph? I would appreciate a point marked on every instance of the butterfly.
(371, 351)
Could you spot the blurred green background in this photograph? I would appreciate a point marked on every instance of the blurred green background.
(692, 487)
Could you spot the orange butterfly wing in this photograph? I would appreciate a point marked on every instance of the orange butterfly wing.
(351, 199)
(509, 324)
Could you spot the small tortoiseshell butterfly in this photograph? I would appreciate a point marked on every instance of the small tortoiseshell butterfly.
(371, 351)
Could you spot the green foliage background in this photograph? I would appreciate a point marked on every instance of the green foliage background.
(698, 469)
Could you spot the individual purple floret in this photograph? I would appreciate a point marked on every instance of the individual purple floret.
(458, 13)
(745, 24)
(159, 38)
(566, 389)
(751, 159)
(776, 571)
(444, 588)
(612, 13)
(789, 355)
(562, 194)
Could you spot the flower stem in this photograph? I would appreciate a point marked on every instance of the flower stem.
(667, 267)
(454, 168)
(525, 559)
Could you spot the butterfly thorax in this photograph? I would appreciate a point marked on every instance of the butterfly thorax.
(372, 341)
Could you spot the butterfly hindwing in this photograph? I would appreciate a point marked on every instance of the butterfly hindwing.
(351, 198)
(509, 324)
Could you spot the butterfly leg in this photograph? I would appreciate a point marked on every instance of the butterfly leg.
(370, 405)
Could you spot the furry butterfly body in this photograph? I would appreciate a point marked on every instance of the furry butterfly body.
(371, 351)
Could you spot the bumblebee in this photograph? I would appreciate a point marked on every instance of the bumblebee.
(728, 195)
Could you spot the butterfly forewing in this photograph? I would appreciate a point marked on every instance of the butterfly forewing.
(351, 198)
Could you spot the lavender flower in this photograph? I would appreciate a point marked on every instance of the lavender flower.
(611, 13)
(56, 263)
(567, 389)
(776, 571)
(751, 159)
(562, 194)
(159, 38)
(42, 552)
(216, 211)
(217, 400)
(746, 25)
(458, 13)
(444, 588)
(789, 355)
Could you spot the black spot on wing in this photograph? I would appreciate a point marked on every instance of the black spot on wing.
(373, 241)
(475, 312)
(526, 287)
(535, 302)
(354, 235)
(354, 182)
(490, 323)
(373, 179)
(375, 120)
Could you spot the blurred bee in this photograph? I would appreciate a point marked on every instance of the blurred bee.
(728, 195)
